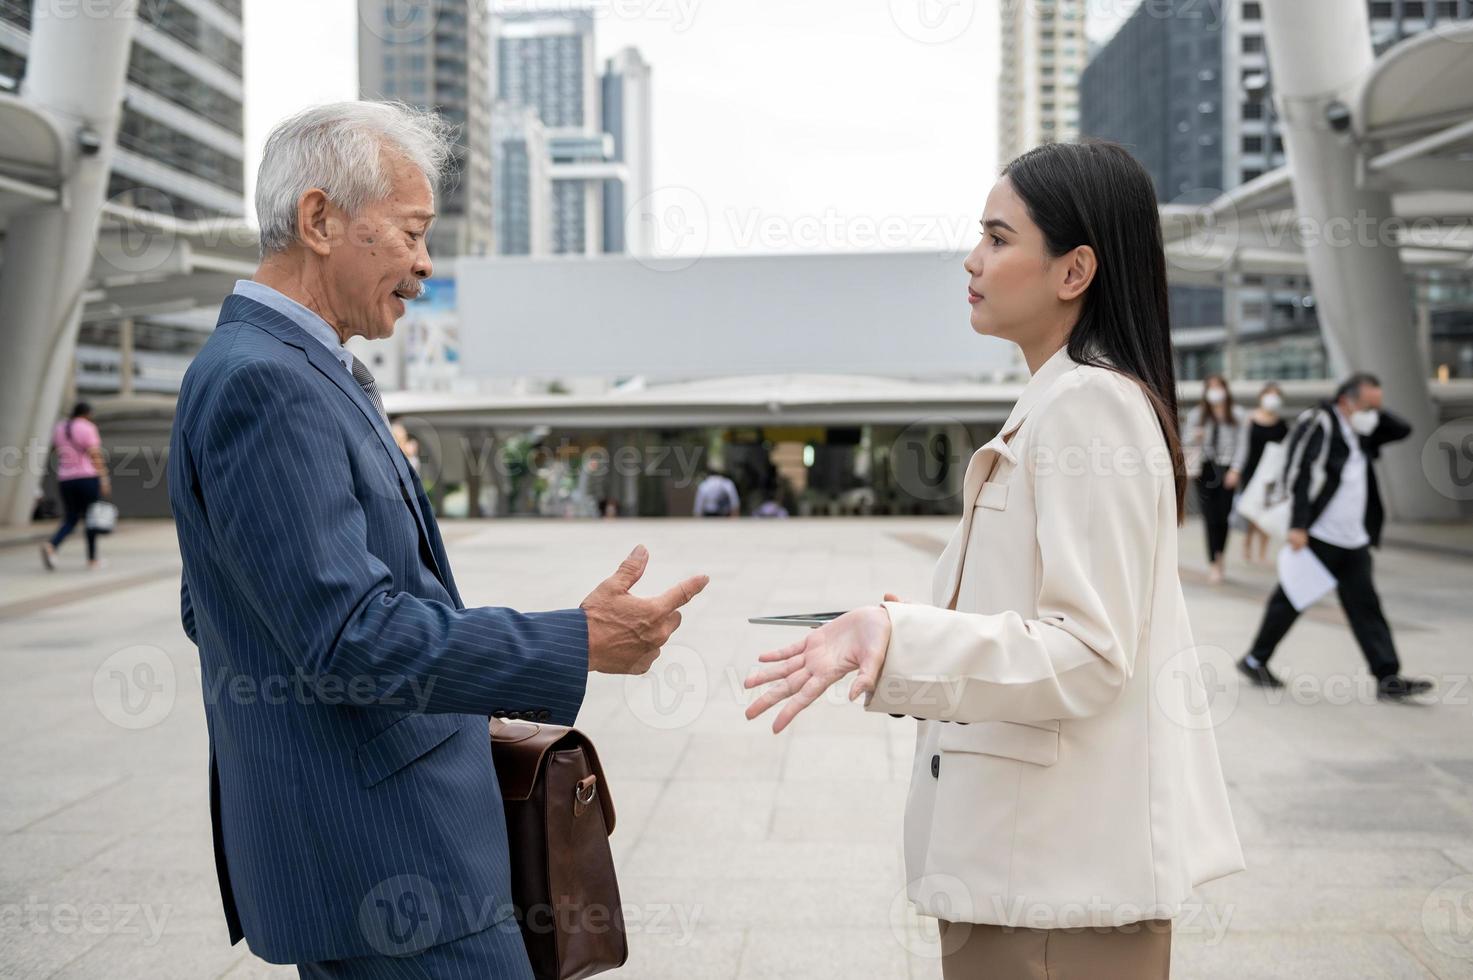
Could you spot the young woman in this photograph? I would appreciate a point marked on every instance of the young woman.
(1066, 794)
(1264, 426)
(1213, 427)
(81, 477)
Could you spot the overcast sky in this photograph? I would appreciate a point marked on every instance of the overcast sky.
(823, 125)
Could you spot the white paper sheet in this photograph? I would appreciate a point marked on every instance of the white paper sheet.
(1303, 577)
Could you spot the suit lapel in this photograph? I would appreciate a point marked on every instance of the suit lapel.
(437, 544)
(949, 567)
(948, 575)
(249, 311)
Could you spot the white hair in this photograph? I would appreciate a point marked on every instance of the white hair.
(339, 148)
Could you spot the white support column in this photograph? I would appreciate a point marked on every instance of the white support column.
(1232, 316)
(75, 72)
(125, 358)
(1319, 52)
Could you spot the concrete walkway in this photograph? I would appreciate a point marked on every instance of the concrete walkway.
(741, 854)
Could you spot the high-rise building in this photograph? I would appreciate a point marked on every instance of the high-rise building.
(1156, 87)
(627, 118)
(1186, 84)
(545, 62)
(437, 56)
(180, 151)
(181, 138)
(523, 191)
(1277, 314)
(1043, 54)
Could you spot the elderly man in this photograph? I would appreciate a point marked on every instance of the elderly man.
(357, 818)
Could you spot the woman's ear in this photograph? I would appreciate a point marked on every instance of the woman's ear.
(1079, 272)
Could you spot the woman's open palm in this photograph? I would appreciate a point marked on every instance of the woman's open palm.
(801, 672)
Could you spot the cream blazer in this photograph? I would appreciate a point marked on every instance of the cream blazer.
(1066, 771)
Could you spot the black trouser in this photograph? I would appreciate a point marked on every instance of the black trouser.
(1352, 570)
(1216, 502)
(76, 496)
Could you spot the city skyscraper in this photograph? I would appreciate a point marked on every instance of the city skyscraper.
(437, 56)
(180, 152)
(1043, 54)
(1157, 87)
(1186, 85)
(523, 192)
(627, 118)
(545, 62)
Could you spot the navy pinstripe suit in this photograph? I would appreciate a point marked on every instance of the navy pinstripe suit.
(355, 808)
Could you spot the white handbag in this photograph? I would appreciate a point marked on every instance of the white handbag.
(102, 517)
(1265, 502)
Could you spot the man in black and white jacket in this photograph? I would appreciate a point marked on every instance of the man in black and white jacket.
(1337, 514)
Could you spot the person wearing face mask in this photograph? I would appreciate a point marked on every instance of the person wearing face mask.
(1262, 427)
(1337, 514)
(1214, 426)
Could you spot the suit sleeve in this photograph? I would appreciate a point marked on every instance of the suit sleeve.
(1097, 541)
(278, 488)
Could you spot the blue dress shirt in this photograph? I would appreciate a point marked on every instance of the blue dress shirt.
(317, 328)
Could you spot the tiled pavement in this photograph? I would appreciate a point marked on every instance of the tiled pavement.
(742, 854)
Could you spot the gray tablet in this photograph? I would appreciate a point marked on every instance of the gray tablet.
(811, 620)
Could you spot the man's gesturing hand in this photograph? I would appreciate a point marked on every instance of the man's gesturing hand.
(625, 632)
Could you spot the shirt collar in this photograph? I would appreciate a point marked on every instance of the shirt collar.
(313, 325)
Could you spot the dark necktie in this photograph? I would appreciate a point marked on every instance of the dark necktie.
(364, 377)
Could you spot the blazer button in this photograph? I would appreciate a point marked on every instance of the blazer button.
(936, 767)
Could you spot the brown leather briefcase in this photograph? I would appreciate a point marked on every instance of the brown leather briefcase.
(558, 820)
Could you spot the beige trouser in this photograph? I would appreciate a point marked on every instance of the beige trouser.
(1140, 951)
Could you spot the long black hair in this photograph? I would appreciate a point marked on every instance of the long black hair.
(1095, 193)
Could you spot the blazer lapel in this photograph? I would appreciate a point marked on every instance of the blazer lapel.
(949, 567)
(948, 575)
(280, 327)
(437, 544)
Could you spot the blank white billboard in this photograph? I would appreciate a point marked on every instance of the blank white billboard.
(898, 314)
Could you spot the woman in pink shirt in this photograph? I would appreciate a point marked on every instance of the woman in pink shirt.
(81, 476)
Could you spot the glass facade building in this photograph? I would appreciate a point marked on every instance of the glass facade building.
(1186, 85)
(182, 134)
(596, 130)
(180, 152)
(437, 56)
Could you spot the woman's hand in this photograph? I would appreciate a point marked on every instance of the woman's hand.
(1232, 479)
(802, 671)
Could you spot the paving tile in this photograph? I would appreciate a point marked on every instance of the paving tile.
(742, 854)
